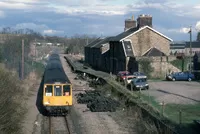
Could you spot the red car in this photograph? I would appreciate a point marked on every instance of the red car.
(122, 75)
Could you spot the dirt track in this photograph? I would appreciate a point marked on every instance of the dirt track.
(88, 122)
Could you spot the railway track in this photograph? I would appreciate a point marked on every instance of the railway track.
(59, 125)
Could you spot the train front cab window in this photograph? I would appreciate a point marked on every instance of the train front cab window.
(48, 90)
(66, 90)
(57, 90)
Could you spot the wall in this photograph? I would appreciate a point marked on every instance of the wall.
(145, 39)
(161, 66)
(117, 57)
(105, 62)
(187, 51)
(86, 51)
(177, 50)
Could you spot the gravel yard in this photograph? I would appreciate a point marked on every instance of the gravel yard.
(177, 96)
(179, 92)
(88, 122)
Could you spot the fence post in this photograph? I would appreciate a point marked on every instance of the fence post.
(163, 106)
(131, 87)
(140, 93)
(180, 117)
(125, 83)
(148, 99)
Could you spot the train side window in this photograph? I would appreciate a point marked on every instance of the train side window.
(48, 90)
(57, 90)
(66, 90)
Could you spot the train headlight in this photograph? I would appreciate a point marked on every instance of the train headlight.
(46, 103)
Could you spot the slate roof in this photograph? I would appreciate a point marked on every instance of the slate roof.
(154, 52)
(103, 41)
(177, 47)
(124, 34)
(195, 44)
(93, 42)
(177, 44)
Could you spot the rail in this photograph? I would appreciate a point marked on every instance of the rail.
(50, 126)
(67, 124)
(51, 130)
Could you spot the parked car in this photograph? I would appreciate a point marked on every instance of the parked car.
(138, 83)
(122, 75)
(180, 76)
(139, 75)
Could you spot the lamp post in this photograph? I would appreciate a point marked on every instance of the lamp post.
(190, 48)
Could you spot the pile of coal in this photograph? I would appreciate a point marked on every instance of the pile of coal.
(87, 97)
(97, 102)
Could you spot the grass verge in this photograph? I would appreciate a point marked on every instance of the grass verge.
(172, 111)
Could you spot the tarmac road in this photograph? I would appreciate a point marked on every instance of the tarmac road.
(178, 92)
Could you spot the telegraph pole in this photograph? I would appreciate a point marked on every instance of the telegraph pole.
(87, 41)
(35, 50)
(190, 49)
(22, 62)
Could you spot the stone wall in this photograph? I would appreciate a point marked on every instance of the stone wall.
(146, 38)
(161, 66)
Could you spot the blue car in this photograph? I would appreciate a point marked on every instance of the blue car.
(180, 76)
(139, 75)
(140, 83)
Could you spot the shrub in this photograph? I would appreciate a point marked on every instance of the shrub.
(145, 66)
(12, 107)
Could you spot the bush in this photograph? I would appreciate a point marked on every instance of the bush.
(12, 108)
(145, 66)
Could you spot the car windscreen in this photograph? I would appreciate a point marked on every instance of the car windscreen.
(138, 73)
(140, 80)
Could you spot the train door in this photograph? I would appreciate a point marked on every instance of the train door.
(57, 99)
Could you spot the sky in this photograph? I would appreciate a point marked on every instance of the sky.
(100, 17)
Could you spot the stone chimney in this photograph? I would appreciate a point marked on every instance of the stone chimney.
(130, 23)
(144, 20)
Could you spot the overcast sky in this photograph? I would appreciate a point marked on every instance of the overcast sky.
(100, 17)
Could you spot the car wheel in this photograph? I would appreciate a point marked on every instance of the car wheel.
(173, 79)
(189, 79)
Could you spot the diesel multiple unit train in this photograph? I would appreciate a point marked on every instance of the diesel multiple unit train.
(57, 89)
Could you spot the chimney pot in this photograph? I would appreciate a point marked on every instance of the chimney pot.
(144, 20)
(130, 23)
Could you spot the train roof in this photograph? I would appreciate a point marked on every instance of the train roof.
(53, 64)
(54, 71)
(54, 56)
(55, 75)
